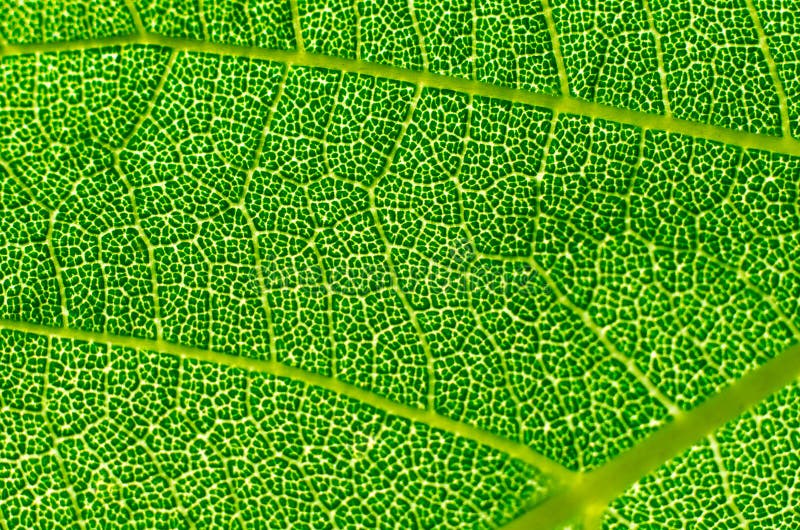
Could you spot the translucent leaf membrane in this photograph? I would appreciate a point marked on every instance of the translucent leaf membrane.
(504, 43)
(557, 280)
(699, 60)
(263, 23)
(95, 436)
(495, 42)
(31, 21)
(743, 476)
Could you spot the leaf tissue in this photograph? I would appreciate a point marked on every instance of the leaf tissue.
(399, 264)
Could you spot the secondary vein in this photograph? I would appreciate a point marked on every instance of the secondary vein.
(560, 104)
(558, 473)
(589, 496)
(783, 103)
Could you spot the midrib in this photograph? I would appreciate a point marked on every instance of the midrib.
(560, 104)
(560, 475)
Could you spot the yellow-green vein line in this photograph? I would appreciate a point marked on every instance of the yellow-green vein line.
(564, 103)
(591, 493)
(135, 17)
(773, 69)
(514, 449)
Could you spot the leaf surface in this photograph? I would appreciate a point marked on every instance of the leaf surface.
(548, 229)
(742, 476)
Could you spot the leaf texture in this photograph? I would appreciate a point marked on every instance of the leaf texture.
(558, 226)
(98, 436)
(742, 476)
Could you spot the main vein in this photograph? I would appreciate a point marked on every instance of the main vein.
(591, 493)
(561, 104)
(559, 473)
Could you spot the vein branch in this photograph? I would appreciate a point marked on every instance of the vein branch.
(298, 29)
(560, 104)
(410, 311)
(551, 28)
(773, 70)
(662, 72)
(592, 492)
(602, 337)
(726, 484)
(522, 452)
(54, 440)
(138, 225)
(248, 217)
(135, 17)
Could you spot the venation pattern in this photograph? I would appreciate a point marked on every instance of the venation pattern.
(743, 476)
(729, 63)
(400, 239)
(95, 436)
(529, 276)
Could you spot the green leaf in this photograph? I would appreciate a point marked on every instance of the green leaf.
(518, 248)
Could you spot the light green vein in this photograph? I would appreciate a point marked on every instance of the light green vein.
(135, 17)
(591, 493)
(726, 483)
(773, 69)
(298, 30)
(586, 494)
(560, 104)
(557, 472)
(662, 72)
(551, 29)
